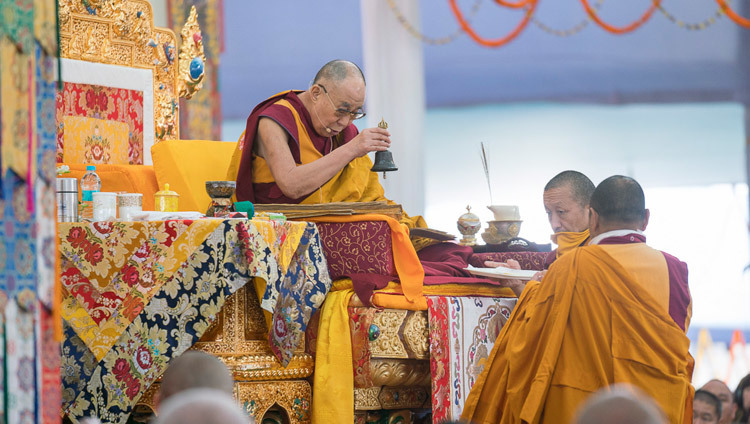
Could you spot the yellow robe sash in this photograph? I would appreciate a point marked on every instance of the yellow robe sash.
(567, 241)
(588, 325)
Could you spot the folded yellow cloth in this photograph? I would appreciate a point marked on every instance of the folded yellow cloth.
(333, 400)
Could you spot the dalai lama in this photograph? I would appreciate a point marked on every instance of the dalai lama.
(302, 146)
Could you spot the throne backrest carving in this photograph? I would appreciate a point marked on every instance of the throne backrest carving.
(122, 81)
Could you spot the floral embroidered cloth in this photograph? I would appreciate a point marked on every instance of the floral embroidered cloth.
(138, 294)
(462, 333)
(112, 270)
(91, 140)
(299, 292)
(114, 105)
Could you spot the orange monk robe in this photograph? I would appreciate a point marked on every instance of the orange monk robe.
(590, 324)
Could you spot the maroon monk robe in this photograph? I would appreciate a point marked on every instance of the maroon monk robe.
(270, 192)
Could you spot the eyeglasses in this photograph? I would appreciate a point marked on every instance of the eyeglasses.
(341, 112)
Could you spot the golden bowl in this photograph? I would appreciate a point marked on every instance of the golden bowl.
(501, 231)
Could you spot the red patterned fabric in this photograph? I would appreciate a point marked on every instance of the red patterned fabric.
(359, 325)
(463, 331)
(527, 260)
(360, 250)
(439, 358)
(311, 334)
(362, 247)
(109, 103)
(49, 393)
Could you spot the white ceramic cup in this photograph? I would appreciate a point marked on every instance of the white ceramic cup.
(105, 206)
(505, 212)
(129, 204)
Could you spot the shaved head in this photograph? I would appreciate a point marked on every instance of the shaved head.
(566, 201)
(619, 199)
(195, 369)
(202, 406)
(337, 71)
(580, 185)
(622, 404)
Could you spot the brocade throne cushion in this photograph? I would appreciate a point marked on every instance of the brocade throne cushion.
(362, 247)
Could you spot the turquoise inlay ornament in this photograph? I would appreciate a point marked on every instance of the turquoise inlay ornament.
(192, 61)
(169, 52)
(374, 332)
(196, 68)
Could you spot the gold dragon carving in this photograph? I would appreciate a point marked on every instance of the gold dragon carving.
(403, 334)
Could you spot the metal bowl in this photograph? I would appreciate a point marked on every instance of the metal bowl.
(220, 189)
(500, 231)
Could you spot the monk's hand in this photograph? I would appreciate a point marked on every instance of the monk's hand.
(370, 140)
(516, 285)
(539, 275)
(512, 264)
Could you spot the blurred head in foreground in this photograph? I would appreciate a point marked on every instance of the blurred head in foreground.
(620, 404)
(202, 406)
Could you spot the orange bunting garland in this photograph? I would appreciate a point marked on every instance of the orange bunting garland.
(520, 4)
(530, 7)
(621, 30)
(739, 20)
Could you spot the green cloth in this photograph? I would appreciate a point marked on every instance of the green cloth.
(17, 23)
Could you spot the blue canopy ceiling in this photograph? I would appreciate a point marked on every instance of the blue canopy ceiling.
(270, 48)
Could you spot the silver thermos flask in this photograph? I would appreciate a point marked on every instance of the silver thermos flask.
(67, 199)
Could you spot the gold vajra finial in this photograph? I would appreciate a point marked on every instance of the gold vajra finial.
(383, 124)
